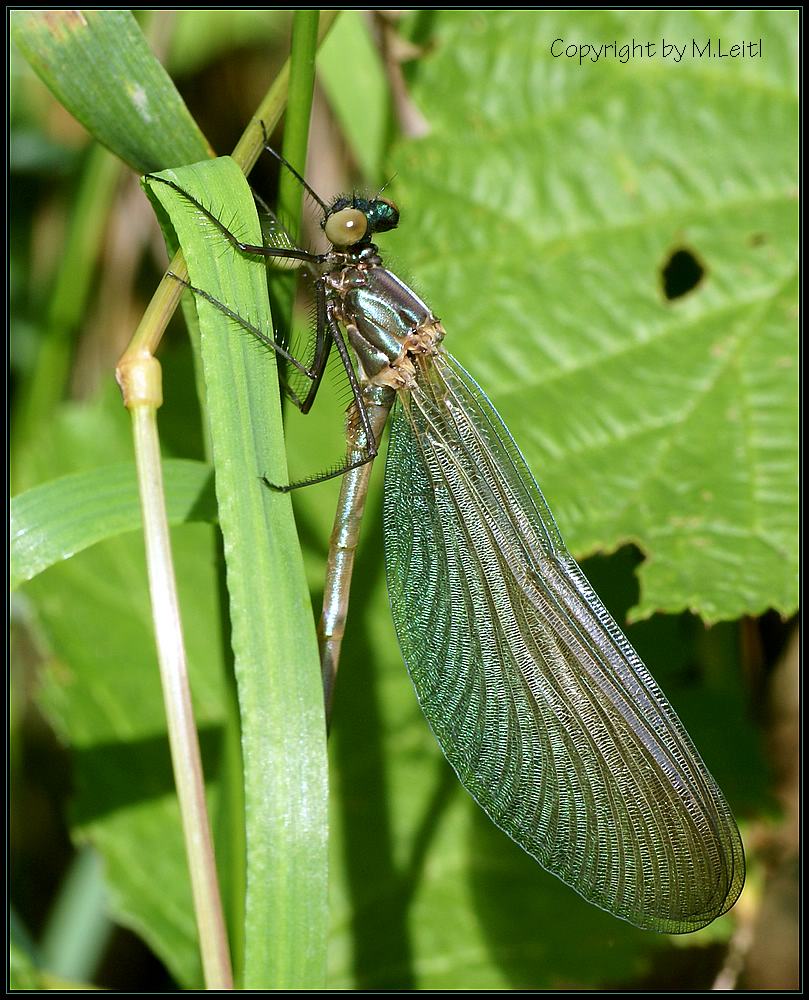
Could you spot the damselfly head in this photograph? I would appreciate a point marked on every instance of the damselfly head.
(383, 215)
(354, 220)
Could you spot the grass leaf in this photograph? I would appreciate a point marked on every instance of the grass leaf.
(99, 65)
(273, 639)
(66, 515)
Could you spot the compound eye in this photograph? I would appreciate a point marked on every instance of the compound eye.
(346, 227)
(387, 215)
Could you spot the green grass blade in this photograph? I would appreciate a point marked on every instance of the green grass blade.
(69, 514)
(38, 397)
(298, 113)
(78, 928)
(100, 66)
(277, 672)
(353, 77)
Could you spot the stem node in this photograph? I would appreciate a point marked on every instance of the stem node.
(141, 380)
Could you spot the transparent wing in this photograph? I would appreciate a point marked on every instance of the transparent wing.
(536, 697)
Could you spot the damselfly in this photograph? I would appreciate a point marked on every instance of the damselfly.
(537, 699)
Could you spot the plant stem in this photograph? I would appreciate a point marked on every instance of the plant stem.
(143, 395)
(298, 114)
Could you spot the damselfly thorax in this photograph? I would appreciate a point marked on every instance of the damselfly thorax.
(385, 322)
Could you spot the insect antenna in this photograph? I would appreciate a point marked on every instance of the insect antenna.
(389, 181)
(284, 162)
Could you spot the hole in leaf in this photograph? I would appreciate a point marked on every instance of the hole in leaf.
(681, 273)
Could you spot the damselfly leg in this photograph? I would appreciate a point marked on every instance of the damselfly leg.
(362, 442)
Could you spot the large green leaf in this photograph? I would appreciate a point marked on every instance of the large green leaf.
(536, 219)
